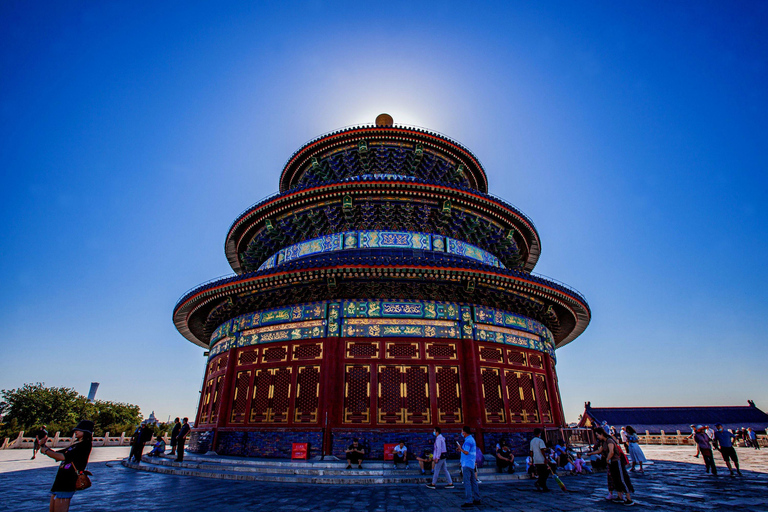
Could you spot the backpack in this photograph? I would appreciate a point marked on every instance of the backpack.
(479, 458)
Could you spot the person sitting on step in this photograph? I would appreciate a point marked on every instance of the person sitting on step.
(425, 461)
(355, 455)
(401, 454)
(505, 459)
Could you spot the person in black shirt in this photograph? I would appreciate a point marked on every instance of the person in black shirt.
(175, 435)
(181, 439)
(505, 459)
(355, 454)
(41, 433)
(74, 460)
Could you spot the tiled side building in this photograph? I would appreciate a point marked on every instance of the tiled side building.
(380, 293)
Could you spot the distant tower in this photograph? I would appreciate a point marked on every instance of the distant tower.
(382, 292)
(92, 392)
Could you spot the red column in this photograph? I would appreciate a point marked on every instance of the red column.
(225, 401)
(332, 391)
(472, 389)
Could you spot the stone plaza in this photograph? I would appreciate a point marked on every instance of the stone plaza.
(676, 481)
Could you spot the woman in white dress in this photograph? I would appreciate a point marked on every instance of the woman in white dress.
(637, 455)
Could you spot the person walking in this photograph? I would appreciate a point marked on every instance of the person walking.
(693, 434)
(753, 438)
(175, 435)
(538, 449)
(181, 439)
(638, 457)
(439, 454)
(705, 448)
(468, 455)
(624, 436)
(40, 434)
(74, 460)
(724, 444)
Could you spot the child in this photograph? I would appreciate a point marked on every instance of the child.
(580, 465)
(529, 467)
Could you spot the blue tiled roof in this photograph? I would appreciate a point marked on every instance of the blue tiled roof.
(671, 419)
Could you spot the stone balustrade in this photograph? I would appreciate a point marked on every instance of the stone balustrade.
(56, 441)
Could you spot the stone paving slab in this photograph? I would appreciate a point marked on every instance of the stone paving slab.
(667, 485)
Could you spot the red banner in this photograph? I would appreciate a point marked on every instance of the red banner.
(389, 451)
(299, 450)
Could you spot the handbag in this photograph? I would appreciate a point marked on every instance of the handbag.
(82, 482)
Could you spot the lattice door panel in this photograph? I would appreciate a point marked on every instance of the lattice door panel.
(357, 394)
(205, 407)
(444, 351)
(390, 394)
(280, 395)
(535, 361)
(307, 394)
(543, 399)
(275, 355)
(262, 385)
(417, 406)
(492, 398)
(530, 406)
(362, 350)
(216, 398)
(248, 356)
(514, 396)
(240, 397)
(448, 395)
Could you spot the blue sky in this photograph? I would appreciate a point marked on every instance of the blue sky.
(633, 134)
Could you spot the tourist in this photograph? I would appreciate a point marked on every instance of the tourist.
(425, 461)
(401, 454)
(538, 451)
(439, 454)
(530, 468)
(181, 439)
(74, 460)
(724, 444)
(710, 432)
(468, 461)
(561, 453)
(638, 457)
(355, 454)
(753, 438)
(693, 434)
(600, 461)
(619, 475)
(580, 465)
(175, 435)
(158, 449)
(505, 459)
(40, 434)
(140, 437)
(705, 448)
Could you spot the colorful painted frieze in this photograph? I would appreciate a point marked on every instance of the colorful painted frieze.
(470, 251)
(393, 327)
(400, 309)
(334, 319)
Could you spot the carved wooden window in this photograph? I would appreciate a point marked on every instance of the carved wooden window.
(448, 395)
(492, 398)
(248, 356)
(280, 396)
(275, 355)
(491, 354)
(308, 352)
(441, 351)
(362, 350)
(396, 350)
(390, 394)
(516, 357)
(206, 403)
(307, 394)
(535, 361)
(357, 394)
(240, 397)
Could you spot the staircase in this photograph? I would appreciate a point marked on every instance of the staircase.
(307, 472)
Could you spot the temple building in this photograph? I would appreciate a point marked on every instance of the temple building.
(380, 293)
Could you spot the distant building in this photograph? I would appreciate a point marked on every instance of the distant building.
(672, 419)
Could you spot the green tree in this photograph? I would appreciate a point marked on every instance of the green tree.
(61, 408)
